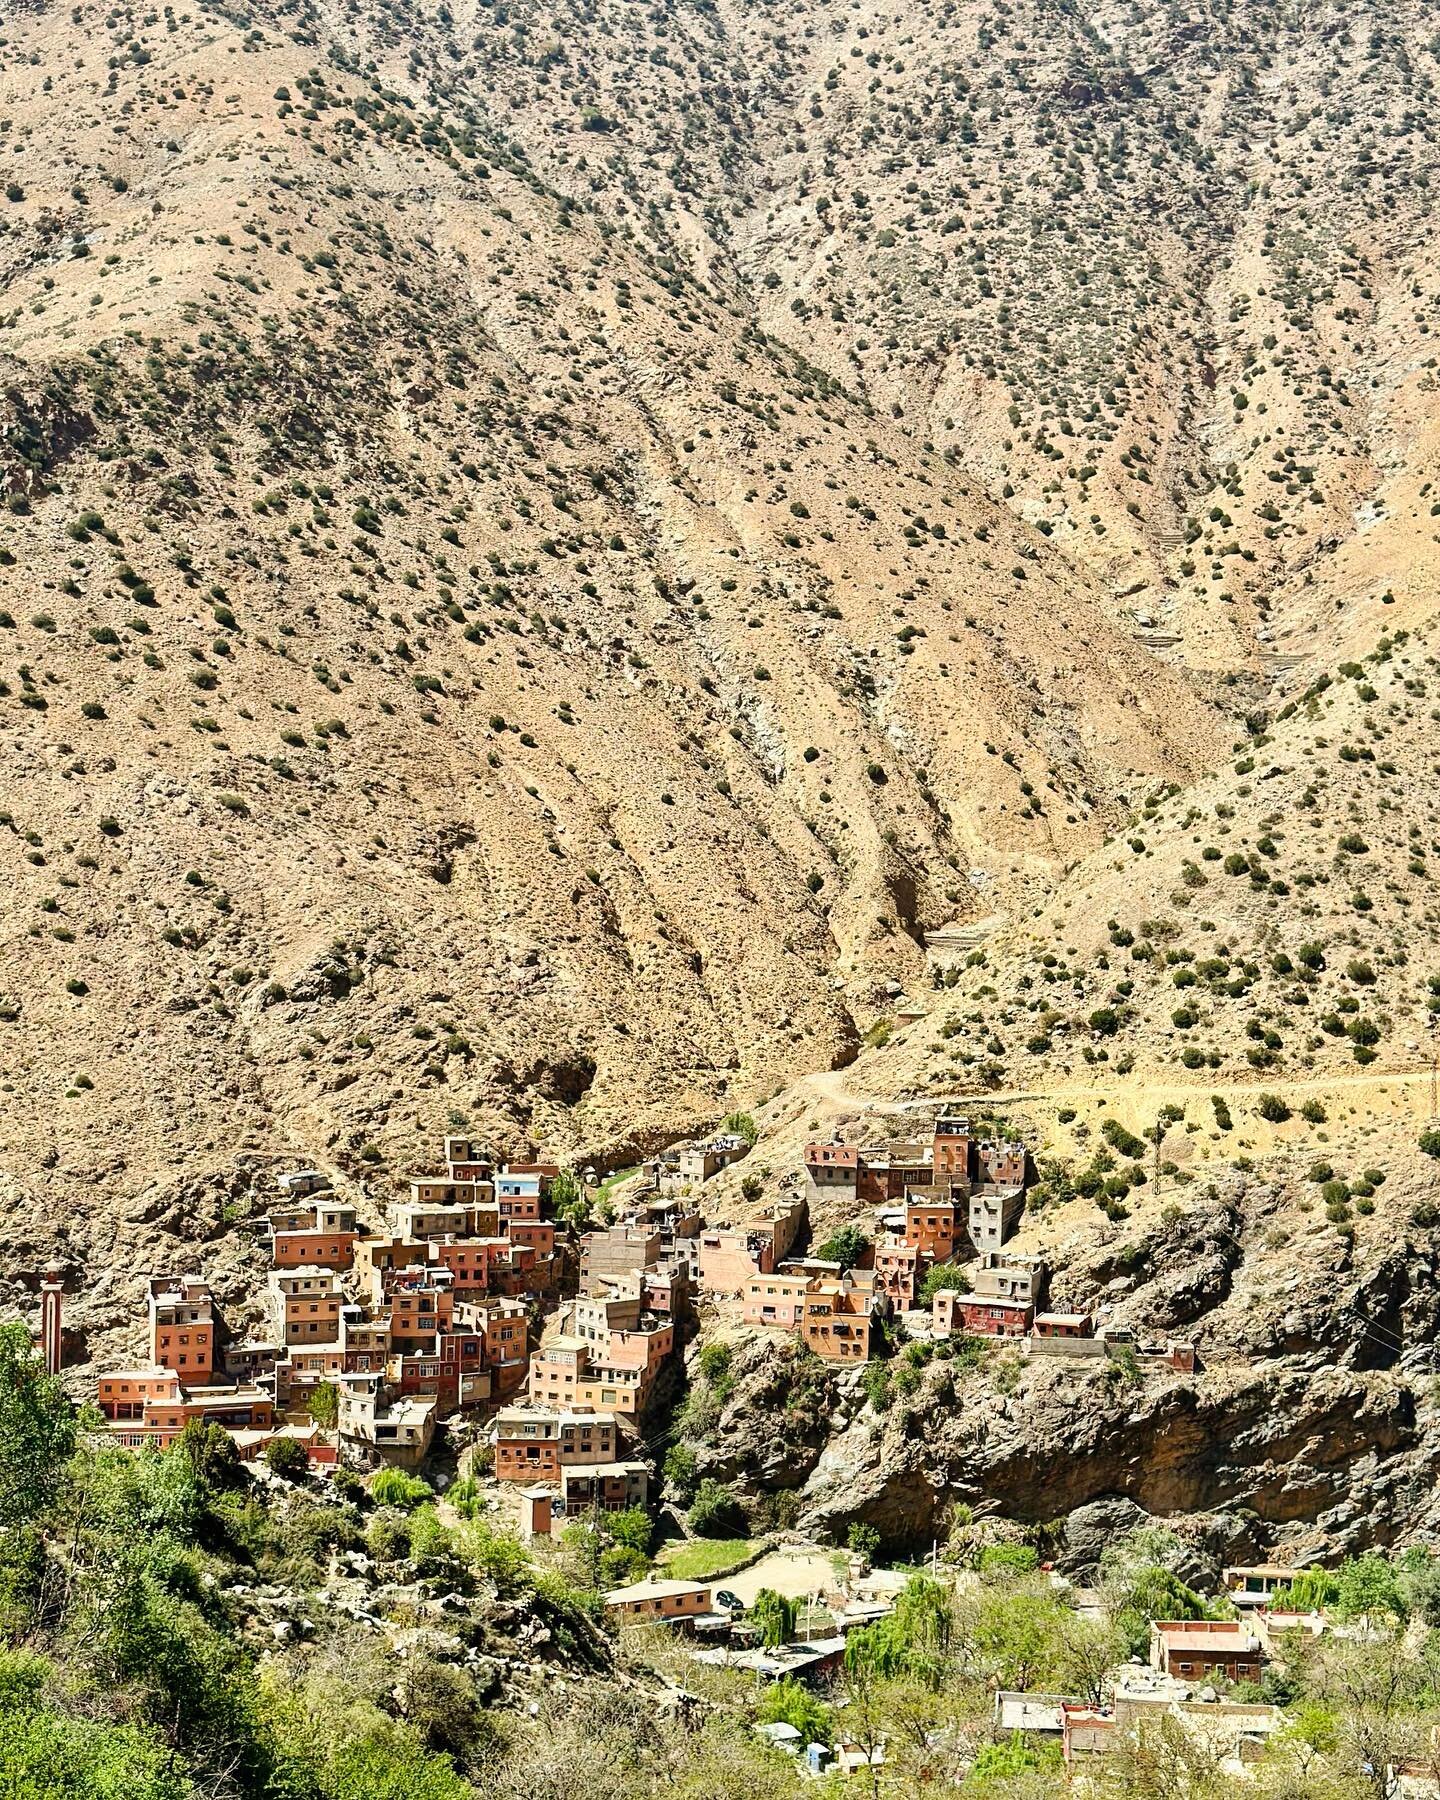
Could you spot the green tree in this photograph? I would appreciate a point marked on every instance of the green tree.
(632, 1527)
(741, 1125)
(1018, 1635)
(1367, 1590)
(845, 1246)
(774, 1616)
(44, 1756)
(681, 1473)
(1310, 1590)
(286, 1457)
(569, 1199)
(715, 1512)
(943, 1278)
(37, 1429)
(790, 1702)
(393, 1487)
(863, 1539)
(324, 1405)
(1008, 1559)
(211, 1454)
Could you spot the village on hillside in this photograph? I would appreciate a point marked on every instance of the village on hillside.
(549, 1318)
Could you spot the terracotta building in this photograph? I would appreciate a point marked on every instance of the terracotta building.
(1200, 1649)
(535, 1445)
(663, 1602)
(835, 1322)
(182, 1326)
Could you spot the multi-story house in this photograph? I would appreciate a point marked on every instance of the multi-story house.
(182, 1326)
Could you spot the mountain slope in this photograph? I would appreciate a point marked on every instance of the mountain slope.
(457, 666)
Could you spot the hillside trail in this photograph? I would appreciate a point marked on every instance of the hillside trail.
(834, 1090)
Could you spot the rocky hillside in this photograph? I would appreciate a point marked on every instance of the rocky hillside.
(457, 664)
(1310, 1427)
(1274, 920)
(544, 549)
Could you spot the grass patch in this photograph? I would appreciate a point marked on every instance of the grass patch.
(613, 1181)
(705, 1557)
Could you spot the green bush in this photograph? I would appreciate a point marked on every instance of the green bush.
(393, 1487)
(715, 1512)
(286, 1457)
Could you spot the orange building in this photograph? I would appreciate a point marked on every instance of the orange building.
(777, 1299)
(897, 1271)
(313, 1248)
(933, 1227)
(835, 1322)
(305, 1305)
(182, 1325)
(950, 1154)
(660, 1602)
(153, 1406)
(531, 1445)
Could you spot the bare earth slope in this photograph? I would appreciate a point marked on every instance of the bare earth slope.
(456, 666)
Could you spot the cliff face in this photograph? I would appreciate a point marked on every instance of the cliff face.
(1333, 1453)
(1309, 1425)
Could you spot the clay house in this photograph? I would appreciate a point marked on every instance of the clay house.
(295, 1215)
(658, 1602)
(832, 1173)
(1250, 1585)
(776, 1299)
(933, 1227)
(374, 1425)
(449, 1368)
(565, 1373)
(986, 1316)
(532, 1444)
(520, 1190)
(992, 1216)
(1085, 1730)
(1063, 1325)
(421, 1220)
(253, 1362)
(607, 1487)
(835, 1321)
(421, 1303)
(1009, 1275)
(665, 1290)
(898, 1267)
(303, 1369)
(378, 1258)
(945, 1319)
(304, 1305)
(468, 1160)
(182, 1326)
(364, 1341)
(153, 1406)
(313, 1247)
(1206, 1649)
(505, 1325)
(951, 1148)
(616, 1251)
(690, 1166)
(1001, 1163)
(729, 1255)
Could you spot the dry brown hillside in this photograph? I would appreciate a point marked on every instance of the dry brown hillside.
(1272, 923)
(456, 664)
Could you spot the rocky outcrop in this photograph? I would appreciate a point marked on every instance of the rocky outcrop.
(1287, 1447)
